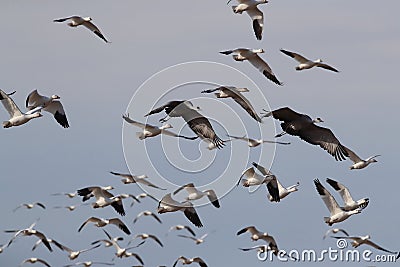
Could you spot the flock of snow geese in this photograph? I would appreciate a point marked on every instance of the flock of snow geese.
(292, 123)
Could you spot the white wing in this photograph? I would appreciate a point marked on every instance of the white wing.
(9, 105)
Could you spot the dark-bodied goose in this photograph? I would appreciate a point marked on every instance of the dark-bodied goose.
(132, 179)
(267, 178)
(303, 126)
(100, 222)
(250, 6)
(16, 116)
(256, 142)
(359, 240)
(195, 194)
(336, 213)
(76, 21)
(34, 260)
(236, 94)
(306, 63)
(187, 261)
(349, 203)
(360, 163)
(168, 204)
(199, 124)
(152, 131)
(49, 104)
(241, 54)
(103, 198)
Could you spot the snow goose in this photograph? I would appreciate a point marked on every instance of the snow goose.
(73, 254)
(336, 213)
(256, 142)
(257, 235)
(147, 213)
(349, 203)
(250, 6)
(35, 260)
(16, 116)
(49, 104)
(306, 63)
(145, 236)
(186, 261)
(360, 163)
(143, 195)
(181, 227)
(75, 21)
(267, 178)
(199, 124)
(30, 206)
(236, 94)
(70, 195)
(100, 222)
(241, 54)
(168, 204)
(29, 232)
(284, 191)
(89, 263)
(2, 247)
(359, 240)
(152, 131)
(123, 252)
(334, 231)
(108, 243)
(197, 241)
(103, 198)
(195, 194)
(303, 126)
(70, 207)
(132, 179)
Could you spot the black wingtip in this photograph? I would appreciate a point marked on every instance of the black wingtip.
(333, 183)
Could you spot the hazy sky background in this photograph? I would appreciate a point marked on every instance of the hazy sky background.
(96, 82)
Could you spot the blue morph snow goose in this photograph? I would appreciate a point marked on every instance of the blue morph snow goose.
(76, 21)
(50, 104)
(250, 6)
(199, 124)
(303, 126)
(242, 54)
(16, 116)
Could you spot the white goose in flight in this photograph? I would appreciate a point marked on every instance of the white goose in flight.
(336, 213)
(359, 240)
(89, 263)
(122, 252)
(360, 163)
(195, 194)
(284, 191)
(267, 178)
(16, 116)
(349, 203)
(197, 241)
(49, 104)
(306, 63)
(76, 21)
(168, 204)
(256, 142)
(152, 131)
(34, 260)
(30, 206)
(132, 179)
(186, 261)
(236, 94)
(241, 54)
(250, 6)
(303, 126)
(145, 236)
(182, 227)
(51, 241)
(73, 254)
(70, 207)
(103, 198)
(100, 222)
(29, 232)
(257, 235)
(147, 213)
(199, 124)
(70, 195)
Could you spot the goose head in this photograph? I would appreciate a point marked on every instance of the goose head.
(55, 97)
(257, 51)
(318, 60)
(317, 120)
(87, 18)
(107, 187)
(166, 126)
(37, 115)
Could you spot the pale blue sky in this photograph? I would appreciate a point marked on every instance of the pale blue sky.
(96, 82)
